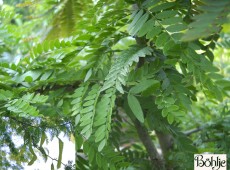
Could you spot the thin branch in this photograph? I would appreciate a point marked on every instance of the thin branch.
(190, 132)
(53, 159)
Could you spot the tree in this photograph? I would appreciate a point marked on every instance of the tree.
(139, 84)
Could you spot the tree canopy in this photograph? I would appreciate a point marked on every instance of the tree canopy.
(138, 84)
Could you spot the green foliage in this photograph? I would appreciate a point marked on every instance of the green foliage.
(88, 111)
(105, 159)
(120, 69)
(103, 118)
(208, 20)
(23, 106)
(97, 71)
(135, 107)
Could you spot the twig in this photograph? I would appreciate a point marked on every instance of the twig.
(54, 159)
(190, 132)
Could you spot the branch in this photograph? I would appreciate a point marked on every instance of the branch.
(53, 159)
(190, 132)
(165, 141)
(156, 159)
